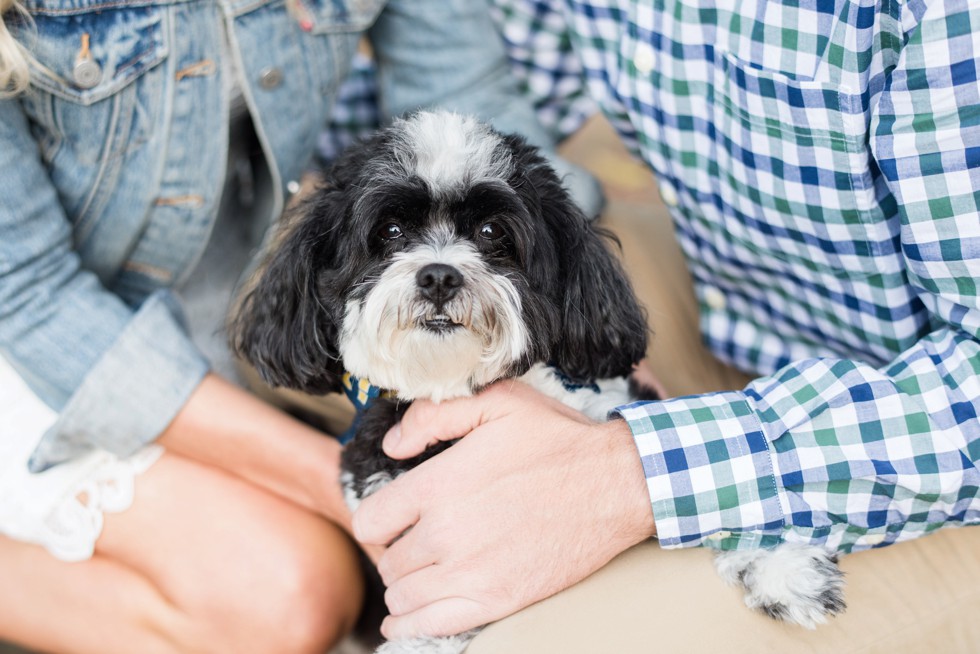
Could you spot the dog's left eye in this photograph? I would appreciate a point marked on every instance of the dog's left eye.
(491, 231)
(390, 232)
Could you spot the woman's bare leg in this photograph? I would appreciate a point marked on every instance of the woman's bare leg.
(201, 562)
(52, 606)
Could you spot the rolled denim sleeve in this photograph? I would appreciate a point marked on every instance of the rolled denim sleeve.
(450, 54)
(115, 375)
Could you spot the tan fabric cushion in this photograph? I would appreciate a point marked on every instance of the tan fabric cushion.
(918, 596)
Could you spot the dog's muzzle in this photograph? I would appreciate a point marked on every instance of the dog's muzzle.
(438, 283)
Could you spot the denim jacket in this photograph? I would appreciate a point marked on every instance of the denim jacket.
(112, 165)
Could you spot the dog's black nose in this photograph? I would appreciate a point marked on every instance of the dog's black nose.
(439, 282)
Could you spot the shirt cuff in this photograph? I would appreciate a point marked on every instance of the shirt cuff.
(709, 471)
(132, 393)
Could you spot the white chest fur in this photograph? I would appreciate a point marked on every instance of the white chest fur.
(612, 392)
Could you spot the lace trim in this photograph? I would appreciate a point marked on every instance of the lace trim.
(62, 508)
(70, 530)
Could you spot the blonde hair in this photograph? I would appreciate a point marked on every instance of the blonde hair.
(14, 73)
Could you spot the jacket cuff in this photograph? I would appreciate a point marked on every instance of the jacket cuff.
(709, 471)
(132, 393)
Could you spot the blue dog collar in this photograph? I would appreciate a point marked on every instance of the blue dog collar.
(570, 385)
(361, 393)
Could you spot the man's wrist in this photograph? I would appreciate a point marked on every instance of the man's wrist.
(632, 495)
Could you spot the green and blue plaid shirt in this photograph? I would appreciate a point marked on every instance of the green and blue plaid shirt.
(822, 162)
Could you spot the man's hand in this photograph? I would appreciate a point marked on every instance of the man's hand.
(534, 499)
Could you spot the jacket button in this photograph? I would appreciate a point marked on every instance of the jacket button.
(270, 78)
(87, 74)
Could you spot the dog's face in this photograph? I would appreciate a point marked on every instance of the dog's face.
(438, 257)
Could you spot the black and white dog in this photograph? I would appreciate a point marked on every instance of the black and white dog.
(438, 257)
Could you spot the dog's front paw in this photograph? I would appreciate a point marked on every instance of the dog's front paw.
(792, 583)
(443, 645)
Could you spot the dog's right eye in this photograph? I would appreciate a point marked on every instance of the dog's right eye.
(390, 232)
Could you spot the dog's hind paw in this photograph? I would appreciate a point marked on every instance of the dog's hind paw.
(792, 583)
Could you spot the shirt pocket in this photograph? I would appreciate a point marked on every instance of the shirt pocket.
(794, 172)
(87, 60)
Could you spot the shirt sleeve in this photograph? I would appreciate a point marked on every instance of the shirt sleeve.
(449, 54)
(115, 375)
(539, 45)
(839, 453)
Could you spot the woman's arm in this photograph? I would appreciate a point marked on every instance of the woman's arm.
(116, 375)
(227, 428)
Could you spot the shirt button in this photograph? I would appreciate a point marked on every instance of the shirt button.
(668, 193)
(874, 539)
(714, 298)
(718, 535)
(643, 58)
(87, 74)
(270, 78)
(292, 186)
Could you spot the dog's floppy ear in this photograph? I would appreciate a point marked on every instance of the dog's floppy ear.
(286, 323)
(603, 330)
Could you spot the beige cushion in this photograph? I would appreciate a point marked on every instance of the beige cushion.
(918, 596)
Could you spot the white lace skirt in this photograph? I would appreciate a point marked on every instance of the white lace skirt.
(62, 508)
